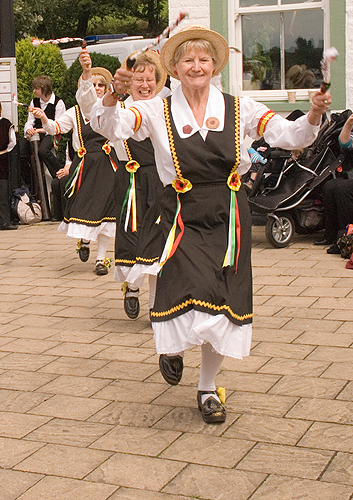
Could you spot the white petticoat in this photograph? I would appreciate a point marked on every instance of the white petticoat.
(195, 328)
(88, 233)
(135, 275)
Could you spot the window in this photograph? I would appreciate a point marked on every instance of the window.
(281, 43)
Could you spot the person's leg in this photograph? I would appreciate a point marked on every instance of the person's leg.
(57, 206)
(330, 213)
(209, 403)
(102, 248)
(5, 214)
(25, 162)
(344, 203)
(46, 155)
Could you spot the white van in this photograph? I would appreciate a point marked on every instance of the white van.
(120, 48)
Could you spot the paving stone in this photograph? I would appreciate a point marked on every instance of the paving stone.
(16, 425)
(328, 339)
(204, 482)
(69, 407)
(286, 488)
(342, 371)
(75, 386)
(280, 350)
(286, 460)
(13, 483)
(73, 366)
(190, 420)
(340, 469)
(323, 410)
(24, 381)
(69, 432)
(247, 381)
(132, 494)
(130, 414)
(13, 451)
(347, 393)
(260, 428)
(24, 361)
(136, 441)
(65, 461)
(126, 370)
(308, 387)
(55, 488)
(20, 401)
(207, 450)
(267, 404)
(300, 368)
(275, 335)
(130, 471)
(328, 437)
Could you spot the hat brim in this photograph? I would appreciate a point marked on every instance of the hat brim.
(155, 58)
(97, 70)
(191, 33)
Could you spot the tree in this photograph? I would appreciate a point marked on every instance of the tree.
(60, 18)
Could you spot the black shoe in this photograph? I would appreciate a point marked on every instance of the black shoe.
(334, 250)
(324, 241)
(132, 307)
(83, 251)
(171, 368)
(7, 226)
(101, 269)
(213, 412)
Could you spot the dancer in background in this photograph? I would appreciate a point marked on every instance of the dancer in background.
(138, 190)
(90, 212)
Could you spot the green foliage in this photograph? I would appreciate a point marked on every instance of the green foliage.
(60, 18)
(32, 62)
(74, 72)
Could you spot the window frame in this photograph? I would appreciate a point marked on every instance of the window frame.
(235, 13)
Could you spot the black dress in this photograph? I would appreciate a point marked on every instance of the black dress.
(196, 270)
(90, 188)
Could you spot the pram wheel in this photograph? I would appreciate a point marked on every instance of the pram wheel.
(280, 229)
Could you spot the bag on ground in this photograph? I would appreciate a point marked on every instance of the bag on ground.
(27, 210)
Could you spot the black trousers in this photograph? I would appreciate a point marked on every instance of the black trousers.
(337, 195)
(45, 154)
(59, 200)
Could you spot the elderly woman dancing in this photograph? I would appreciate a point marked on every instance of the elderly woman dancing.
(204, 289)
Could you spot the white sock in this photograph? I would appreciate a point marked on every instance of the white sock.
(132, 291)
(85, 243)
(210, 364)
(152, 284)
(103, 243)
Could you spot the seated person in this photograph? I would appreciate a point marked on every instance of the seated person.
(7, 143)
(337, 197)
(53, 107)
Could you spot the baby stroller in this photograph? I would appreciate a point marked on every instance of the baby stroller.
(287, 188)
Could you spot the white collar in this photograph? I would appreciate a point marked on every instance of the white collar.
(183, 116)
(51, 100)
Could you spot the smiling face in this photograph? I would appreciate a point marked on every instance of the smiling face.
(195, 68)
(99, 86)
(144, 83)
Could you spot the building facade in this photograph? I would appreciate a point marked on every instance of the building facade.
(281, 43)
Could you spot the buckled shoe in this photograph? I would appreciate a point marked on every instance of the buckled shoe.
(131, 301)
(171, 368)
(213, 412)
(83, 251)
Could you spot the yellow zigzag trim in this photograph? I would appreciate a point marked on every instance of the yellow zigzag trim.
(124, 261)
(142, 259)
(105, 219)
(202, 304)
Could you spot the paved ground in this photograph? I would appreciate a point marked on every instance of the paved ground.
(85, 414)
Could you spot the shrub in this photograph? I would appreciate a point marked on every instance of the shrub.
(74, 72)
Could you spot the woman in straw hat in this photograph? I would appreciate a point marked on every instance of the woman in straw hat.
(138, 189)
(90, 212)
(204, 291)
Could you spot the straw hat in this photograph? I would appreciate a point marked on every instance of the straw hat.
(191, 33)
(155, 58)
(101, 72)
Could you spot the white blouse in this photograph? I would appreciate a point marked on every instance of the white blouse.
(116, 123)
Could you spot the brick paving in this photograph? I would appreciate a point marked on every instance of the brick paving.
(86, 415)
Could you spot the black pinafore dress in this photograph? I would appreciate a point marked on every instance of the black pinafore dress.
(197, 276)
(138, 191)
(90, 188)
